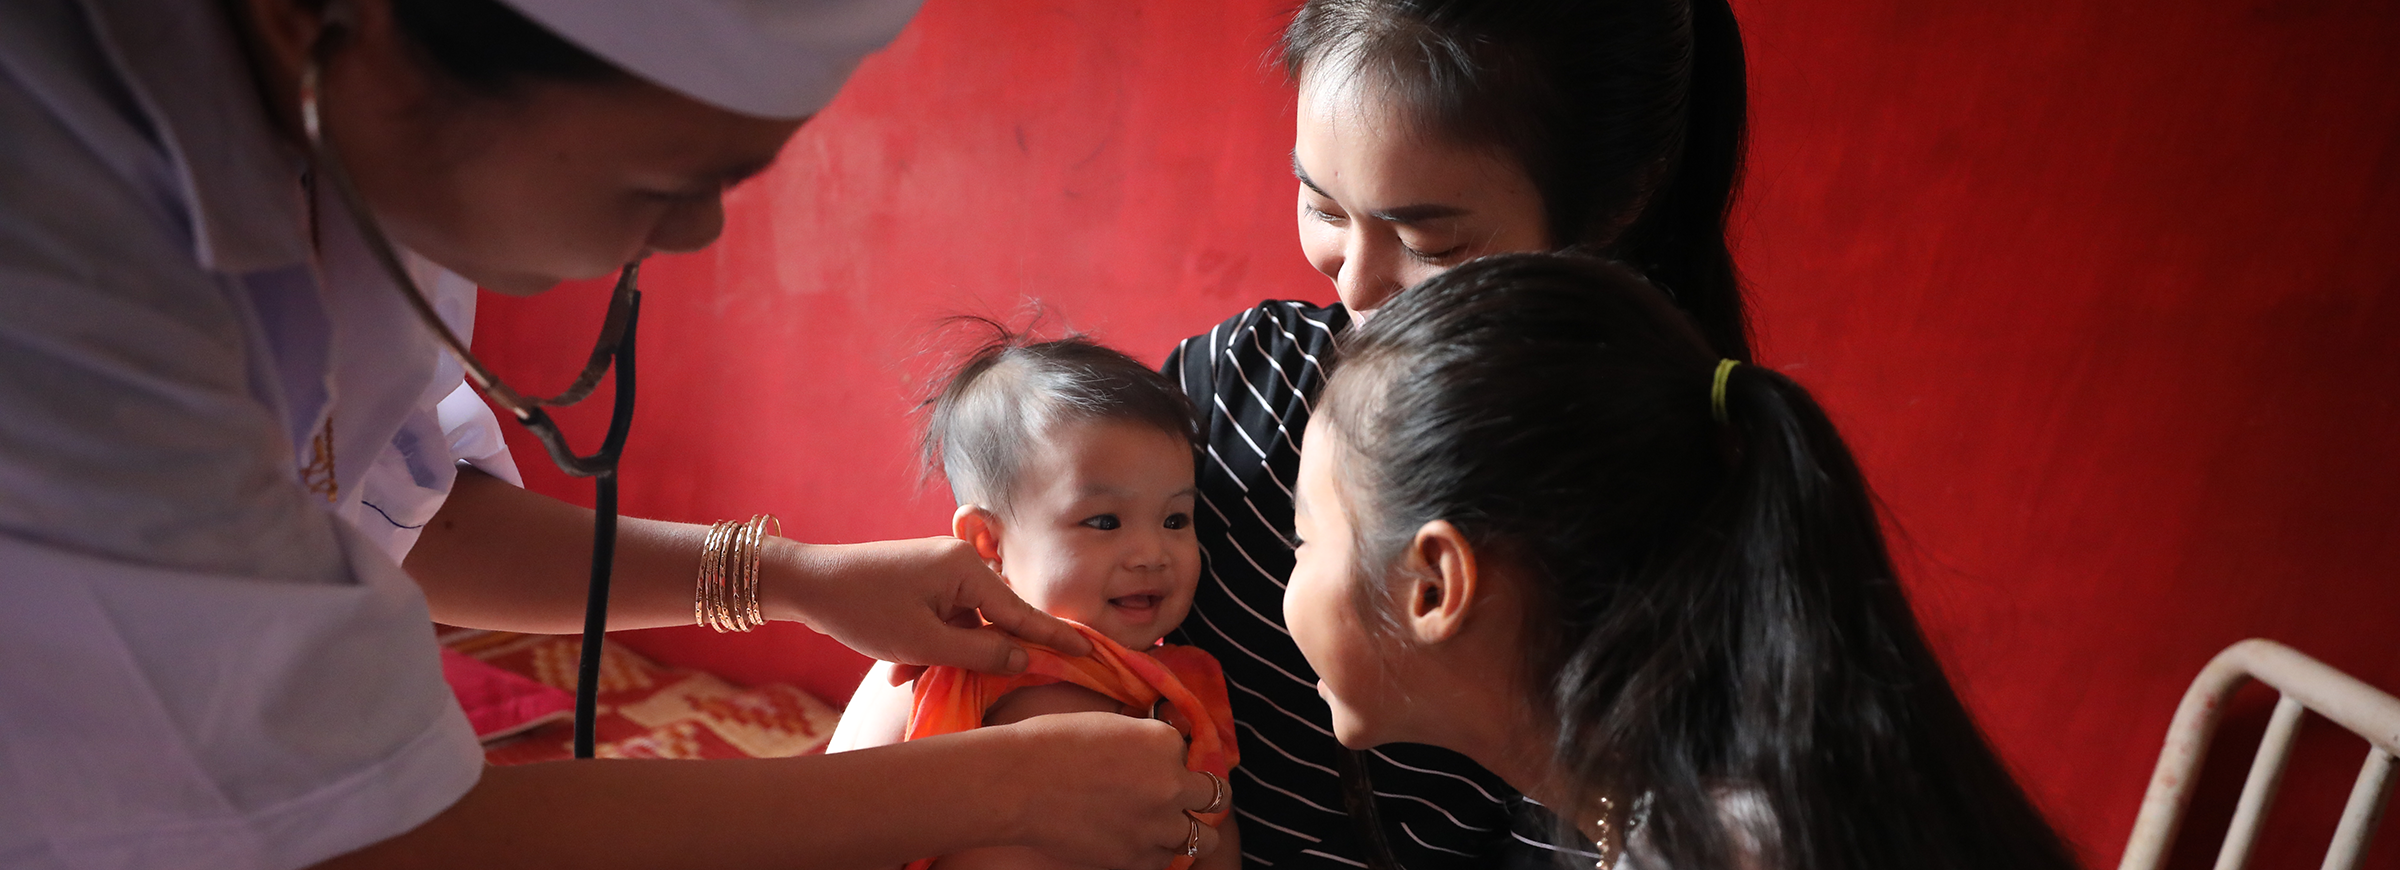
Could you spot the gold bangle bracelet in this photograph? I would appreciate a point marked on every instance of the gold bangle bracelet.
(757, 553)
(726, 596)
(712, 560)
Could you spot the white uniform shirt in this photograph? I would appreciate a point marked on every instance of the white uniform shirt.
(203, 663)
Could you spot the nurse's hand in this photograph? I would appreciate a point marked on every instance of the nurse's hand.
(1100, 789)
(917, 602)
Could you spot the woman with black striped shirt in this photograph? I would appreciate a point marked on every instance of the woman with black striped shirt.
(1432, 132)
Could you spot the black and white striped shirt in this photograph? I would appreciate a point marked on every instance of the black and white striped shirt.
(1252, 379)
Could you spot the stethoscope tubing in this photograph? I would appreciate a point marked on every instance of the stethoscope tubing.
(604, 539)
(624, 314)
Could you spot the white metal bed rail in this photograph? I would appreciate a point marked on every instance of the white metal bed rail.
(2306, 684)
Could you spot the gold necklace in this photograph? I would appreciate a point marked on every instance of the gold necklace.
(1605, 840)
(1612, 839)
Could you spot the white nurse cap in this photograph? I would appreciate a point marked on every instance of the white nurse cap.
(769, 58)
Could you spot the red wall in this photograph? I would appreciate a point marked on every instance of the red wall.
(2099, 292)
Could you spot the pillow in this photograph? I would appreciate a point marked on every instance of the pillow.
(499, 703)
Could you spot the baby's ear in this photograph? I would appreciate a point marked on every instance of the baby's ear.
(975, 524)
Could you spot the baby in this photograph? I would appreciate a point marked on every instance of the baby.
(1072, 466)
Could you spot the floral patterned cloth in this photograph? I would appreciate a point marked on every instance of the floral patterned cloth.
(647, 710)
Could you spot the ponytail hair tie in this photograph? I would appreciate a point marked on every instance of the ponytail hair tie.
(1716, 389)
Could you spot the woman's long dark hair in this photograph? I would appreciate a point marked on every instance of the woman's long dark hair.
(1628, 115)
(1712, 618)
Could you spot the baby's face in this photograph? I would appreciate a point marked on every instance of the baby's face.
(1099, 529)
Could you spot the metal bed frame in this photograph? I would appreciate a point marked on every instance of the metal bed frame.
(2306, 684)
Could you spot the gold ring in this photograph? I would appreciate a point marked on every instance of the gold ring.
(1191, 845)
(1216, 795)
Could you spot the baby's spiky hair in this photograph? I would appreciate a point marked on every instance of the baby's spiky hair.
(1011, 389)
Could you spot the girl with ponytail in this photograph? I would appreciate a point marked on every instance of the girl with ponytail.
(1432, 132)
(1543, 523)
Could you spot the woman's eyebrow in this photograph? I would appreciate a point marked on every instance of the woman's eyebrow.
(1410, 214)
(1302, 174)
(1403, 215)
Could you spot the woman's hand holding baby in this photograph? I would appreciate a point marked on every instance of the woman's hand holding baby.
(919, 602)
(1101, 790)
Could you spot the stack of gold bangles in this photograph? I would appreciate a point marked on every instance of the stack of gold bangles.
(727, 599)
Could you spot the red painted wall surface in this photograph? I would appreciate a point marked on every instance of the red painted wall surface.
(2101, 293)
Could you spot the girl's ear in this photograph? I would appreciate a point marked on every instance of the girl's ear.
(976, 525)
(1443, 582)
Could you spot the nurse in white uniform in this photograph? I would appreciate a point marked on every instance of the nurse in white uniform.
(223, 430)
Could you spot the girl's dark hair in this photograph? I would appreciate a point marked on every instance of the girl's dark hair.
(1713, 622)
(1628, 115)
(490, 48)
(1000, 398)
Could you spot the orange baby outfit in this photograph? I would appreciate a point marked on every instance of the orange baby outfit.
(950, 700)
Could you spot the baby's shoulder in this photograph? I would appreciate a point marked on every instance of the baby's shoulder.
(1188, 662)
(877, 714)
(1048, 698)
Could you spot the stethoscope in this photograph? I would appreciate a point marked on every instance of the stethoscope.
(615, 344)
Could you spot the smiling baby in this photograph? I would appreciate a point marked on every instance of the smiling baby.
(1072, 465)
